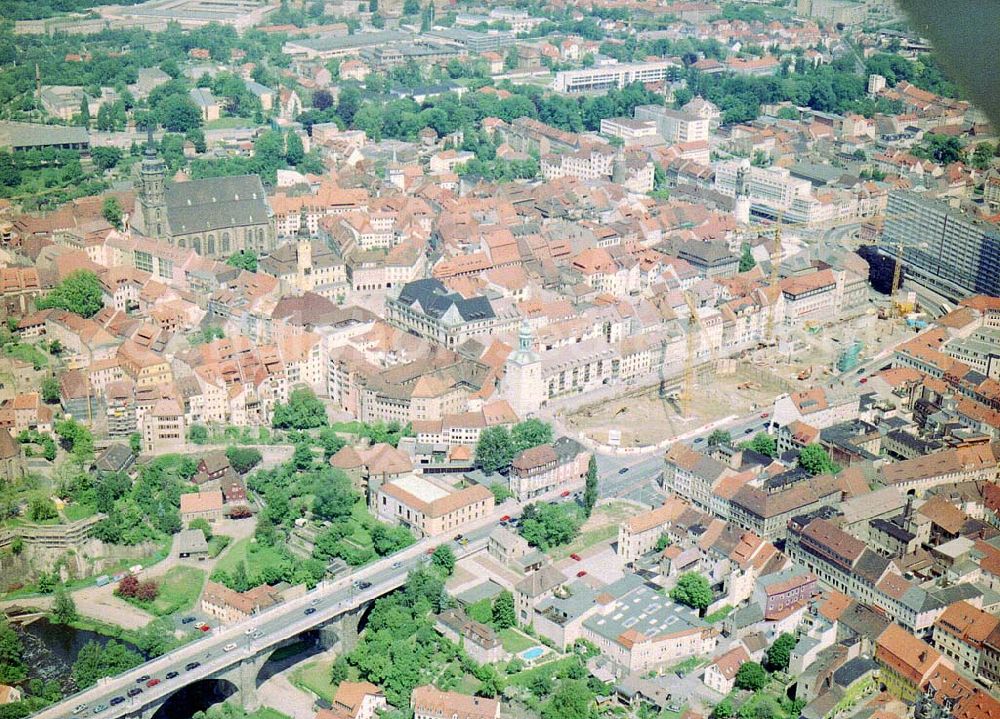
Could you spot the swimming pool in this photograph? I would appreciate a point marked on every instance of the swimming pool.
(532, 653)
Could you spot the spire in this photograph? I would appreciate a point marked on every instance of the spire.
(525, 340)
(150, 150)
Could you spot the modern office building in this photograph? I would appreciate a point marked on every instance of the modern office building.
(605, 77)
(943, 248)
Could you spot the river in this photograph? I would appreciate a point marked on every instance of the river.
(50, 650)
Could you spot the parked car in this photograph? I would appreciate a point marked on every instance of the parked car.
(623, 470)
(576, 557)
(397, 564)
(79, 708)
(152, 682)
(765, 415)
(99, 708)
(310, 610)
(140, 680)
(135, 691)
(170, 675)
(864, 380)
(187, 620)
(564, 493)
(204, 627)
(229, 647)
(191, 665)
(115, 701)
(582, 573)
(258, 634)
(504, 518)
(364, 585)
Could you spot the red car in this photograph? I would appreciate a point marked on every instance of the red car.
(430, 550)
(575, 557)
(204, 627)
(505, 518)
(863, 380)
(582, 573)
(152, 682)
(764, 415)
(565, 493)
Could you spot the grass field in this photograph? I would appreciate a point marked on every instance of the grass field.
(719, 615)
(515, 642)
(352, 427)
(267, 713)
(75, 512)
(217, 543)
(27, 353)
(228, 123)
(584, 541)
(263, 557)
(549, 669)
(179, 590)
(315, 677)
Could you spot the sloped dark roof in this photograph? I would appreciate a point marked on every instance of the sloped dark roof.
(215, 203)
(436, 300)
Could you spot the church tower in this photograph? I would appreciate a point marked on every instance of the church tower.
(523, 386)
(741, 207)
(151, 204)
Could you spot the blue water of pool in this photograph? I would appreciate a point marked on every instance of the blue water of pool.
(532, 653)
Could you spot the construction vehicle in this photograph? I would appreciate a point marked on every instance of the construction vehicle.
(805, 374)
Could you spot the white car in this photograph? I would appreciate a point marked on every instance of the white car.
(79, 708)
(229, 647)
(250, 630)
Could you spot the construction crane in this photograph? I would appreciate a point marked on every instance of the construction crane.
(687, 388)
(775, 276)
(900, 305)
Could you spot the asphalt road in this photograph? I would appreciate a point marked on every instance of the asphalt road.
(289, 619)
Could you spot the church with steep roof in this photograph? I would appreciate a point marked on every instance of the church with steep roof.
(214, 216)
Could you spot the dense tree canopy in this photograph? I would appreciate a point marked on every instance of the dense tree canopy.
(815, 460)
(96, 662)
(549, 525)
(751, 676)
(780, 652)
(80, 292)
(693, 590)
(303, 411)
(764, 443)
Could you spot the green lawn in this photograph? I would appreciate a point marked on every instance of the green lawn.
(584, 541)
(549, 669)
(516, 642)
(267, 713)
(263, 557)
(228, 123)
(481, 611)
(75, 512)
(179, 590)
(27, 353)
(315, 677)
(687, 666)
(719, 615)
(352, 427)
(217, 543)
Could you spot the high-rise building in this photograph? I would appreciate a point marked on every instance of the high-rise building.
(523, 378)
(943, 248)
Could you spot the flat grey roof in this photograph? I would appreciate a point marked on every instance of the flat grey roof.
(23, 134)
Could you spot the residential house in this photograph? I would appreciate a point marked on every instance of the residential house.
(201, 505)
(428, 702)
(230, 607)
